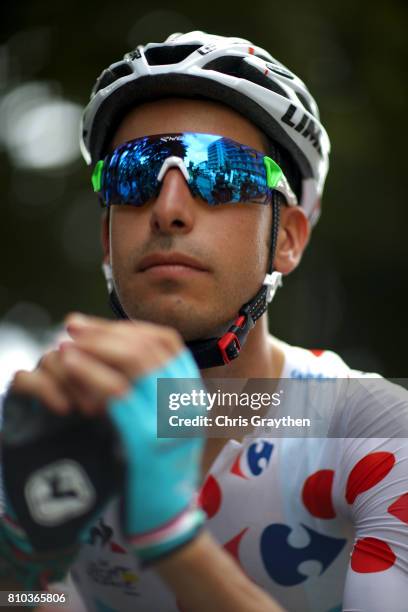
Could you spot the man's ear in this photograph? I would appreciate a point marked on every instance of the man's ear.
(293, 236)
(105, 235)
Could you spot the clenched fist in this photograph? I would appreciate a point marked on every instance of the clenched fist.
(89, 407)
(101, 362)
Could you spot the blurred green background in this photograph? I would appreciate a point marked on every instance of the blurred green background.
(349, 292)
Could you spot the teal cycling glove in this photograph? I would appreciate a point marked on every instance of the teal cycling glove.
(159, 504)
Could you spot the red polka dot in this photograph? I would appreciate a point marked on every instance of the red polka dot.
(317, 494)
(317, 352)
(368, 472)
(399, 508)
(233, 545)
(236, 467)
(371, 555)
(210, 497)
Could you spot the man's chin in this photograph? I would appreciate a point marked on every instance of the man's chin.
(189, 326)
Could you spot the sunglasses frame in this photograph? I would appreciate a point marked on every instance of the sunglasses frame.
(275, 178)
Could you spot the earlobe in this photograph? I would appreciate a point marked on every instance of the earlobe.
(294, 232)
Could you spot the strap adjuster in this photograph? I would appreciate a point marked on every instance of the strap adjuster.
(229, 343)
(272, 282)
(229, 346)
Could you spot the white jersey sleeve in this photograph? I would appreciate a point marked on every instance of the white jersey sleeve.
(372, 491)
(366, 485)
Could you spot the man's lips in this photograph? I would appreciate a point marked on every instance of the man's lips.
(170, 260)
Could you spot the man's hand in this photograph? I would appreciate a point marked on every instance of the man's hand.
(102, 362)
(59, 468)
(111, 368)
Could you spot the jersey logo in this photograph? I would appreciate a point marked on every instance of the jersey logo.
(281, 559)
(102, 572)
(103, 534)
(258, 457)
(59, 492)
(308, 374)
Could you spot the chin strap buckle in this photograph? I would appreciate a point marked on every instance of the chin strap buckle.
(272, 282)
(230, 343)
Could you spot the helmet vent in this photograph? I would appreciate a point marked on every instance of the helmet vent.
(265, 58)
(169, 54)
(231, 65)
(112, 74)
(237, 67)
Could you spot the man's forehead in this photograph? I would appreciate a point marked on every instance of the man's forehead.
(173, 115)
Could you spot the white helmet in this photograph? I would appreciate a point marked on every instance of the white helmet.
(230, 70)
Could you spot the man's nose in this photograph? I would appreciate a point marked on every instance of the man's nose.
(174, 209)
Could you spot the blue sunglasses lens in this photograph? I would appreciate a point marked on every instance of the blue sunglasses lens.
(219, 170)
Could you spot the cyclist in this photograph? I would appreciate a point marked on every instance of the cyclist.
(317, 523)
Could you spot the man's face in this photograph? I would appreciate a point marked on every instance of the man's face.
(230, 241)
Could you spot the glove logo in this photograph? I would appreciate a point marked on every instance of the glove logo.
(59, 492)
